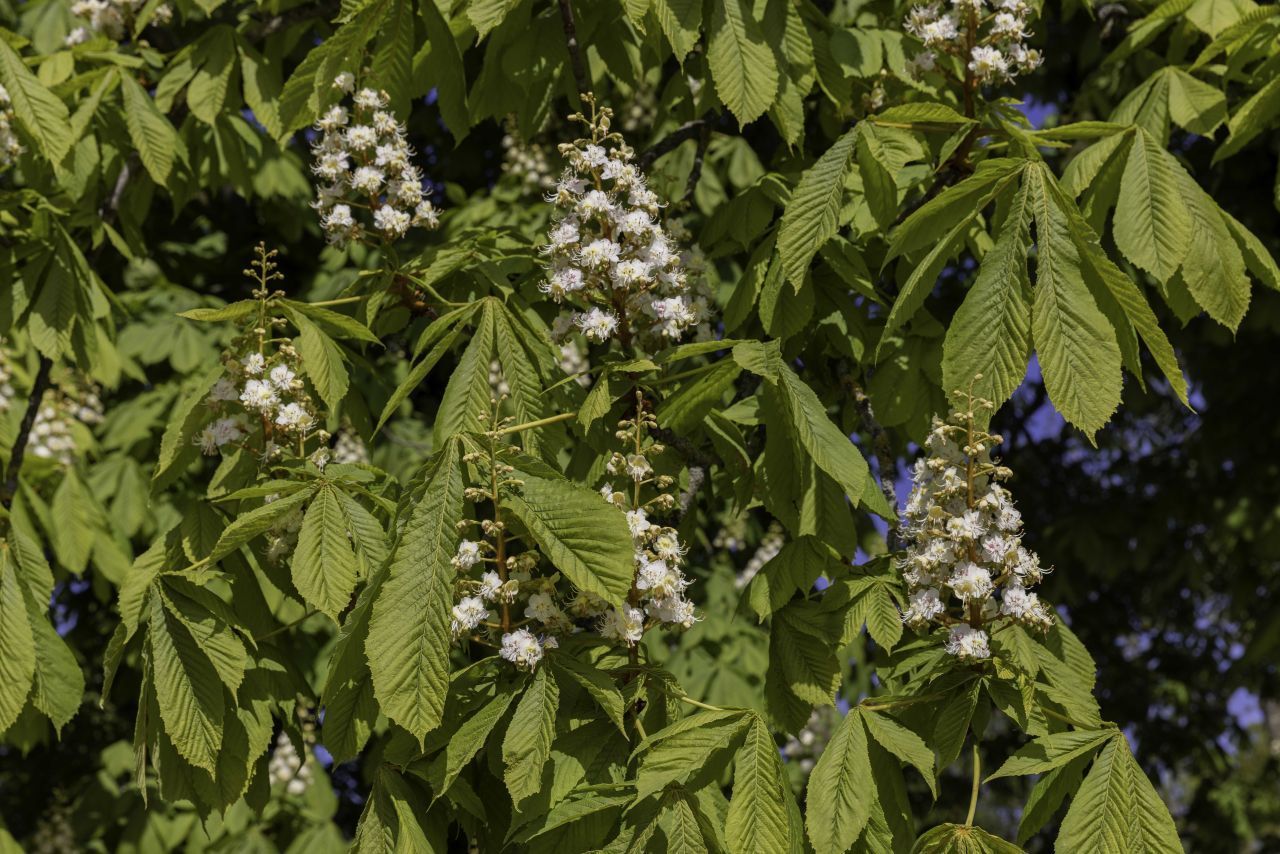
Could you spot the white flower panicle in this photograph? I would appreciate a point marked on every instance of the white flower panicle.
(112, 18)
(371, 190)
(965, 565)
(608, 255)
(261, 400)
(526, 162)
(287, 768)
(987, 37)
(770, 544)
(10, 147)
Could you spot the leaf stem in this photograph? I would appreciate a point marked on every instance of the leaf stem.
(701, 705)
(977, 782)
(339, 301)
(530, 425)
(38, 388)
(282, 629)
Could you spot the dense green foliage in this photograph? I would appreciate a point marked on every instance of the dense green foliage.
(326, 523)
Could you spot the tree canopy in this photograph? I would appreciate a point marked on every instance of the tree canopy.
(653, 425)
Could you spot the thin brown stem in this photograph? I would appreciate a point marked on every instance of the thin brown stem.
(38, 388)
(580, 78)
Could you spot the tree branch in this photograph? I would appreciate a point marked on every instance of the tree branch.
(38, 389)
(704, 139)
(880, 446)
(580, 78)
(686, 131)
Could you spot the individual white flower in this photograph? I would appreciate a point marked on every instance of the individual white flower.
(968, 643)
(223, 390)
(637, 467)
(988, 63)
(259, 395)
(673, 610)
(254, 364)
(344, 82)
(630, 273)
(282, 377)
(369, 99)
(923, 605)
(468, 555)
(339, 219)
(599, 254)
(367, 179)
(595, 203)
(361, 137)
(521, 648)
(1008, 26)
(637, 521)
(542, 607)
(79, 35)
(227, 430)
(293, 416)
(490, 585)
(467, 614)
(970, 582)
(968, 526)
(334, 118)
(668, 547)
(391, 221)
(622, 624)
(597, 324)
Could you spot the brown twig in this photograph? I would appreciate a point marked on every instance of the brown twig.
(38, 389)
(880, 446)
(580, 78)
(669, 143)
(704, 139)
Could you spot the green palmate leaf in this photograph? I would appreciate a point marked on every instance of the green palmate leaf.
(156, 140)
(811, 216)
(962, 839)
(596, 683)
(1126, 294)
(464, 744)
(350, 710)
(681, 20)
(17, 645)
(579, 805)
(324, 566)
(878, 184)
(527, 744)
(207, 618)
(694, 747)
(991, 332)
(1079, 356)
(954, 204)
(1256, 255)
(465, 405)
(367, 535)
(1117, 809)
(1048, 794)
(954, 210)
(485, 15)
(584, 537)
(1051, 751)
(1251, 119)
(447, 71)
(418, 373)
(1152, 227)
(1214, 270)
(214, 56)
(742, 65)
(57, 685)
(323, 361)
(331, 322)
(758, 819)
(42, 115)
(902, 743)
(257, 521)
(409, 636)
(685, 409)
(188, 689)
(841, 790)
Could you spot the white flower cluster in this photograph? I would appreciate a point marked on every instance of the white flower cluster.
(770, 544)
(527, 163)
(112, 18)
(608, 254)
(287, 768)
(806, 746)
(51, 437)
(261, 389)
(990, 42)
(363, 157)
(657, 595)
(965, 565)
(10, 147)
(349, 448)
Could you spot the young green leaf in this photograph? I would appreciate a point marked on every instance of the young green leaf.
(324, 566)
